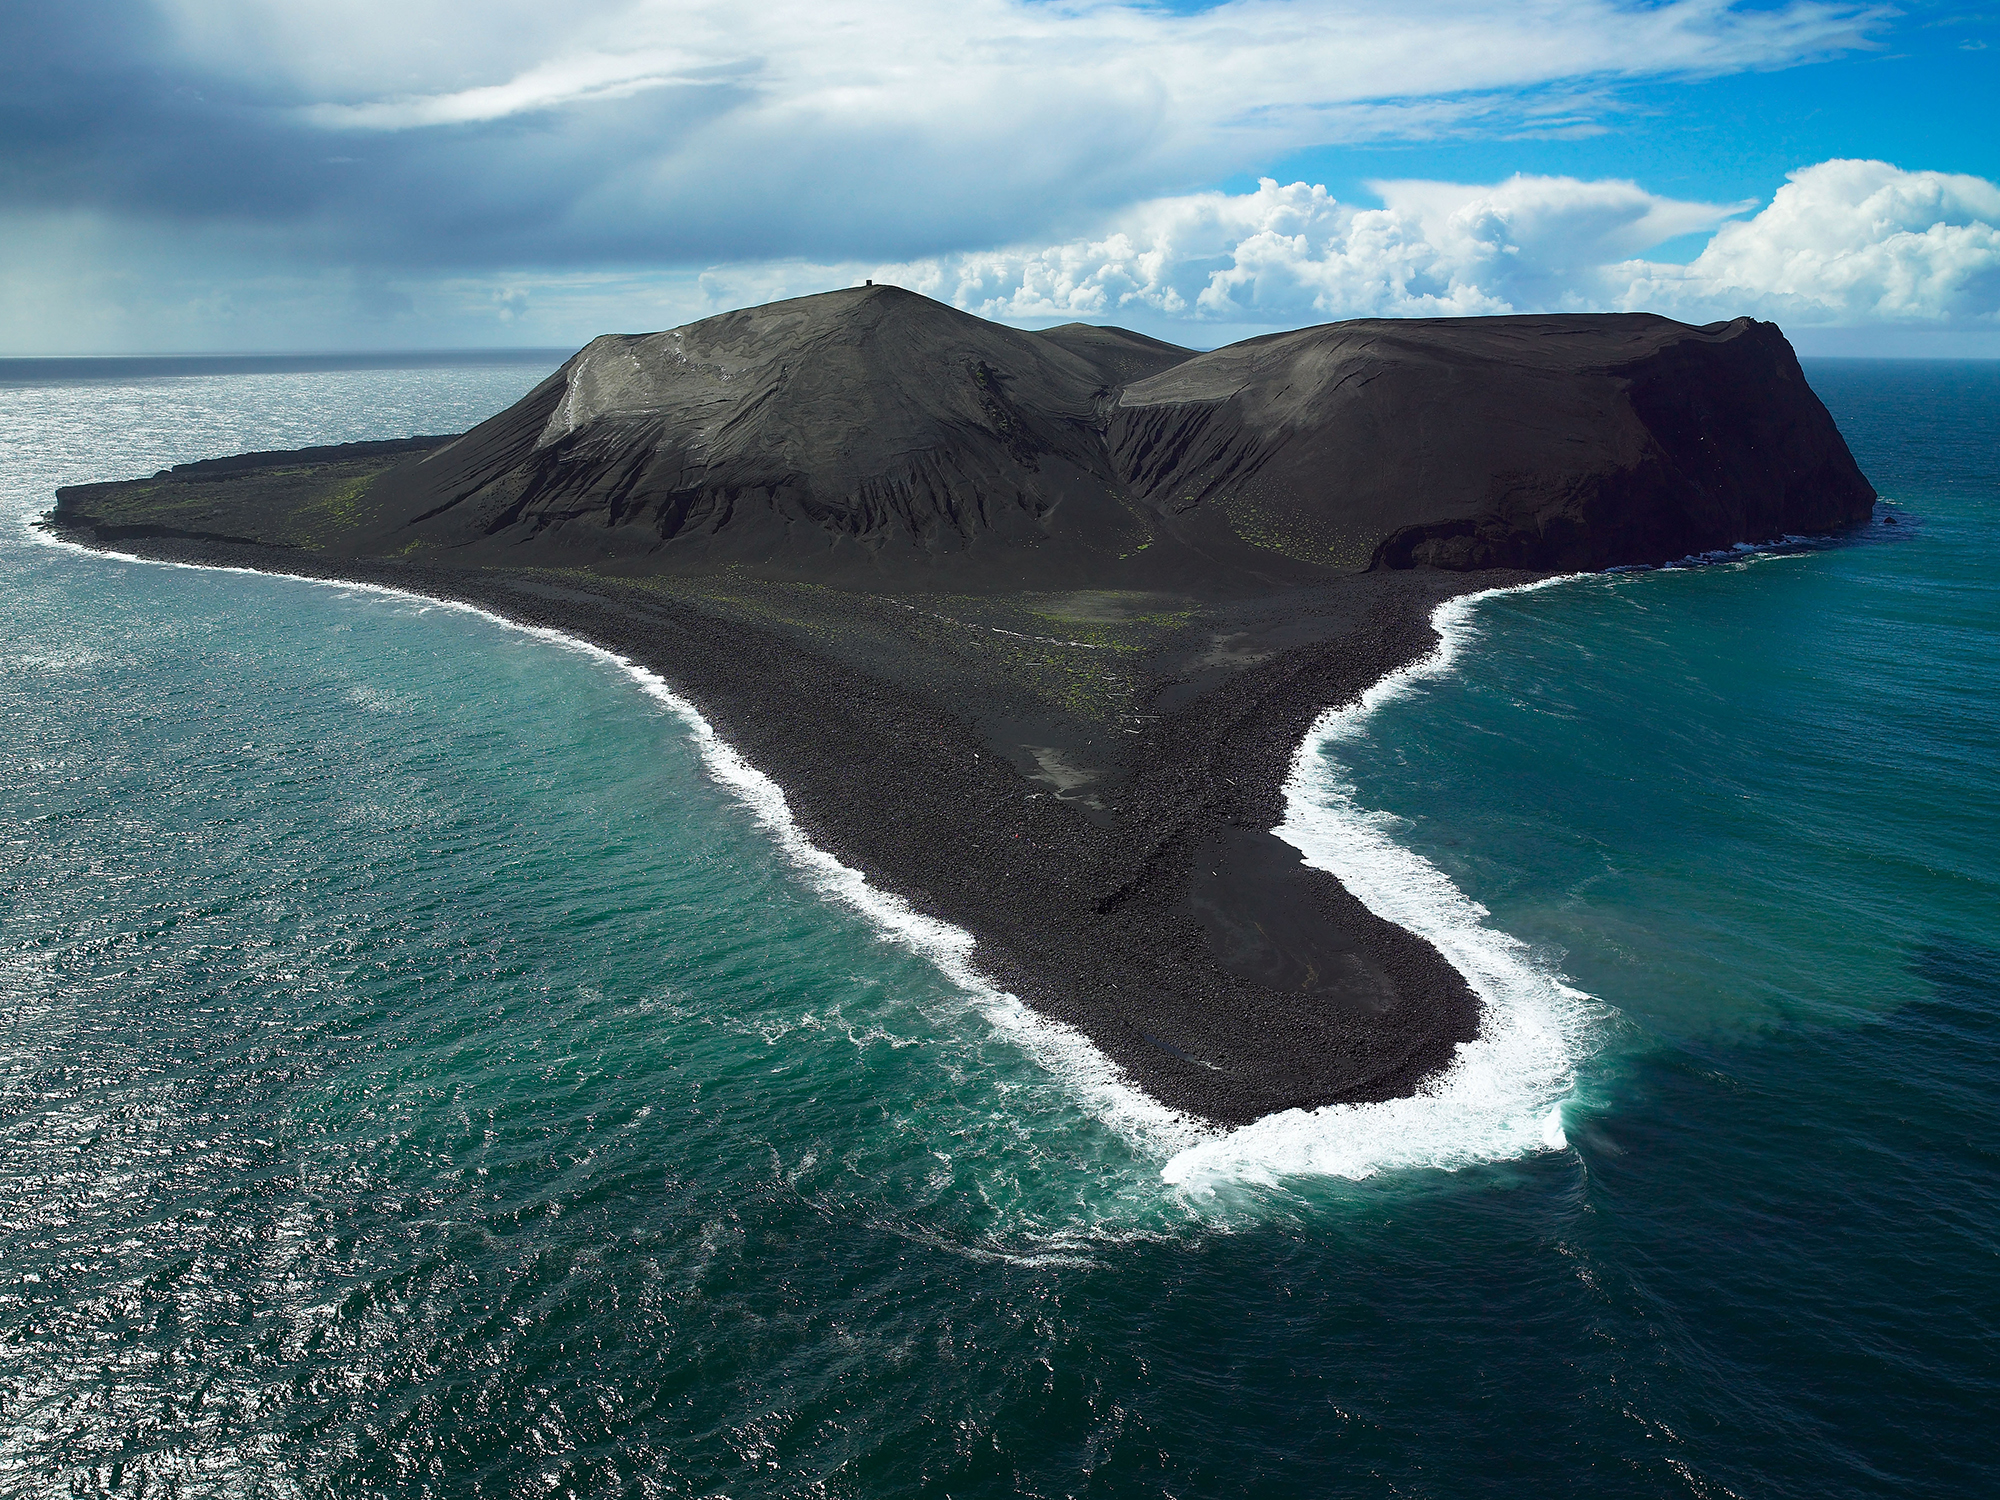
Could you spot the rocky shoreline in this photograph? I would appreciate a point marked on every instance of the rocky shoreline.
(1030, 626)
(1168, 925)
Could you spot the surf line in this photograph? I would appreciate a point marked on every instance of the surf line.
(1059, 1049)
(1499, 1098)
(1502, 1094)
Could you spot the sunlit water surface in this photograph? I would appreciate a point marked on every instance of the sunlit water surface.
(420, 1073)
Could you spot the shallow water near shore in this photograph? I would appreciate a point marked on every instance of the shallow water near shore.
(420, 1072)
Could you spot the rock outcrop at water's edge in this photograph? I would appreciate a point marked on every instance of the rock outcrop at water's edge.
(1029, 625)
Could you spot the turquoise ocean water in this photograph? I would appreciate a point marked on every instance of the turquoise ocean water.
(428, 1064)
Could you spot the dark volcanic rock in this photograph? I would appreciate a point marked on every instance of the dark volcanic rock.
(812, 436)
(1568, 442)
(875, 435)
(1118, 355)
(1030, 626)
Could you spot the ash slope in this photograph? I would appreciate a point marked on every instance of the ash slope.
(877, 437)
(825, 437)
(1028, 626)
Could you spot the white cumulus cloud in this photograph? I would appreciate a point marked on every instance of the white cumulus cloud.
(1292, 253)
(602, 130)
(1848, 242)
(1843, 243)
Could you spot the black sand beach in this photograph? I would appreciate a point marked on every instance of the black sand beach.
(1141, 899)
(1032, 642)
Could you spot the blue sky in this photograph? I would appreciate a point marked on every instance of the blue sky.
(1922, 98)
(184, 175)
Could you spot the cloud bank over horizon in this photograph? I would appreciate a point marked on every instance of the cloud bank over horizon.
(355, 173)
(1845, 243)
(1842, 244)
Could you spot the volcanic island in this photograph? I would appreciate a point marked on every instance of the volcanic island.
(1029, 626)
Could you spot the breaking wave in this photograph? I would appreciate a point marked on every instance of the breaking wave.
(1502, 1095)
(1097, 1082)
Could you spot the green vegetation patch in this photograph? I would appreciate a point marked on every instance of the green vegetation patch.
(312, 505)
(1286, 525)
(1075, 654)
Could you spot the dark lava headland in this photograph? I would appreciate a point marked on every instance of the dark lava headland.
(1029, 626)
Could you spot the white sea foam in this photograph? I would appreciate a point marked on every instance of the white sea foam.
(1098, 1083)
(1502, 1095)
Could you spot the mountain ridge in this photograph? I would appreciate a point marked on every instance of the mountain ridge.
(886, 437)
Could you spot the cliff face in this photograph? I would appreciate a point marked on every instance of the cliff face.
(1532, 442)
(874, 436)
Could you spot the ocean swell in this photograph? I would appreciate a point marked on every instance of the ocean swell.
(1098, 1083)
(1501, 1097)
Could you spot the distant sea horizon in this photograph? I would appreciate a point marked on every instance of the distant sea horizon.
(32, 368)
